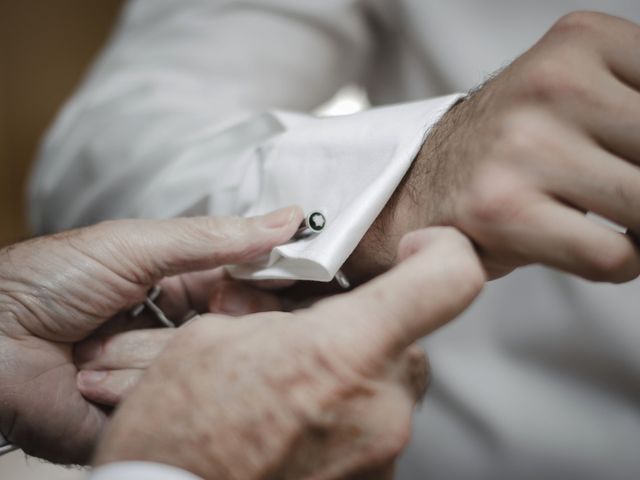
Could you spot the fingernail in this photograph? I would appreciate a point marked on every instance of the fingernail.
(89, 378)
(232, 302)
(278, 219)
(88, 350)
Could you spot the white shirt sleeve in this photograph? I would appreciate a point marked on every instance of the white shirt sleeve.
(140, 471)
(345, 167)
(187, 111)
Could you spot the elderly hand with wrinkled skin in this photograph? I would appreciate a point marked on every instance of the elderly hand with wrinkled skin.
(56, 291)
(322, 393)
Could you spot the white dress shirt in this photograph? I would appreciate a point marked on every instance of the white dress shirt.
(202, 106)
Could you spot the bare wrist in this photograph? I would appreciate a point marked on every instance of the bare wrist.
(411, 207)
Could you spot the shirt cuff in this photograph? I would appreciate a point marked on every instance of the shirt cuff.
(140, 471)
(345, 167)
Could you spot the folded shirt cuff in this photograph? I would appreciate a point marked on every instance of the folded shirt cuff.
(345, 167)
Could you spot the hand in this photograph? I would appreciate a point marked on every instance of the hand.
(322, 393)
(57, 290)
(517, 164)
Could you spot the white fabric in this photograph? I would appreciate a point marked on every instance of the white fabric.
(140, 471)
(186, 108)
(311, 166)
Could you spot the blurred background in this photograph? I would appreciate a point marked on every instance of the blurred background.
(45, 46)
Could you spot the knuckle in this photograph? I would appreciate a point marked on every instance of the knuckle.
(500, 187)
(228, 237)
(242, 239)
(579, 22)
(247, 251)
(493, 197)
(553, 80)
(519, 135)
(214, 229)
(116, 246)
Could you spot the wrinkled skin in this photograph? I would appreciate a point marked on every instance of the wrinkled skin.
(323, 393)
(516, 164)
(55, 291)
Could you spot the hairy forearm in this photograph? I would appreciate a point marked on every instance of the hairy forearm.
(410, 207)
(376, 252)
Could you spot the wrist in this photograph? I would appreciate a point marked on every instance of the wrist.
(428, 179)
(405, 211)
(377, 250)
(135, 437)
(419, 201)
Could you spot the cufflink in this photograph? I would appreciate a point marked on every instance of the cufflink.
(149, 304)
(312, 224)
(315, 223)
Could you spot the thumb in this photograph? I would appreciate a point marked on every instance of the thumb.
(144, 251)
(439, 277)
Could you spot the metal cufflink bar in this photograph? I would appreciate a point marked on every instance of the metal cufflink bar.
(149, 303)
(313, 224)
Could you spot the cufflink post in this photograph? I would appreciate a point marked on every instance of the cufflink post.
(149, 303)
(312, 224)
